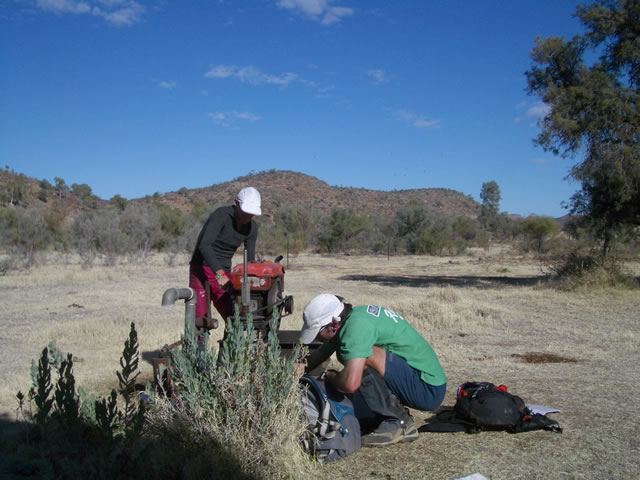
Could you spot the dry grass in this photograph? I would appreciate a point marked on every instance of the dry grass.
(488, 317)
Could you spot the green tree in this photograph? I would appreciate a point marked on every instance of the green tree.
(381, 238)
(54, 218)
(490, 196)
(507, 228)
(45, 188)
(60, 187)
(463, 232)
(435, 238)
(408, 222)
(29, 233)
(292, 227)
(594, 113)
(142, 227)
(8, 222)
(200, 211)
(119, 202)
(341, 226)
(172, 221)
(537, 229)
(16, 188)
(84, 193)
(100, 232)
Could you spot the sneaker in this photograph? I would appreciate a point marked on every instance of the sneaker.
(410, 429)
(391, 431)
(410, 433)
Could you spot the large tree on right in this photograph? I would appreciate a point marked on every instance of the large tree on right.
(591, 85)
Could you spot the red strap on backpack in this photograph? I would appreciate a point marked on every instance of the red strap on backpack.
(473, 386)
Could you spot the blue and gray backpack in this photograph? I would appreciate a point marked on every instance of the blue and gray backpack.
(333, 429)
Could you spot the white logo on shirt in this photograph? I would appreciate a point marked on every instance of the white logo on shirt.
(392, 315)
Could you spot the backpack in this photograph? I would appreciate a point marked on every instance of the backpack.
(333, 429)
(484, 406)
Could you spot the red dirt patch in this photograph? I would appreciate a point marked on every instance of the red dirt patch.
(541, 357)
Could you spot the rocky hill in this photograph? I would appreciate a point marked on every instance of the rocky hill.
(278, 188)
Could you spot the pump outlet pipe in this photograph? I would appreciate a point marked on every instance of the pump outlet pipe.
(169, 298)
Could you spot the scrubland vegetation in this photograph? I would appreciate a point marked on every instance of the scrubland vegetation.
(490, 315)
(125, 231)
(534, 303)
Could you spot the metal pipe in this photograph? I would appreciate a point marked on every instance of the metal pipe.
(172, 294)
(170, 297)
(246, 289)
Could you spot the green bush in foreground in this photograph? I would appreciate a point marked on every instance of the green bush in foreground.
(240, 412)
(67, 433)
(236, 417)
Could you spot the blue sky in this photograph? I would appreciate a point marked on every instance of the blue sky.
(136, 97)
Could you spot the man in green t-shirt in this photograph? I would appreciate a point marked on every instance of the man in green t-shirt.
(387, 364)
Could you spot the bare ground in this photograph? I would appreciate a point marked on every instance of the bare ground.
(488, 316)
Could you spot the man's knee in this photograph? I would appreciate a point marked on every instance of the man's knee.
(375, 398)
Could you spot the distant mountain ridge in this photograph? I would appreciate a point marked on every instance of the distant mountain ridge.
(280, 188)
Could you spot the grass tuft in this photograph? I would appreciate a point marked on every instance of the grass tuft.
(584, 272)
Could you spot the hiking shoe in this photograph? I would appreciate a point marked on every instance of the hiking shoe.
(410, 433)
(391, 431)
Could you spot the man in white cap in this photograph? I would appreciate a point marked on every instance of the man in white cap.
(387, 365)
(223, 232)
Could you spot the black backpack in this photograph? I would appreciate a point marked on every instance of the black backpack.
(484, 406)
(333, 429)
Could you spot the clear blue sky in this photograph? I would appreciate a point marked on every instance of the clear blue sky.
(136, 97)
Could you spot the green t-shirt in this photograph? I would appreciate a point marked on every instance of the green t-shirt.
(371, 325)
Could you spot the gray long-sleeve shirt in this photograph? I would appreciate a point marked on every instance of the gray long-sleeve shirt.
(219, 239)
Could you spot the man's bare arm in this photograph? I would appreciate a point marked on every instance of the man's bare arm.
(348, 379)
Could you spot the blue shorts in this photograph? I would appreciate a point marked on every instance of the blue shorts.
(405, 382)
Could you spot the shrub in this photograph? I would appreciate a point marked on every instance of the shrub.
(24, 230)
(54, 217)
(576, 271)
(85, 195)
(119, 202)
(239, 411)
(435, 238)
(100, 232)
(290, 231)
(536, 230)
(341, 226)
(237, 416)
(408, 222)
(69, 434)
(172, 222)
(142, 227)
(7, 263)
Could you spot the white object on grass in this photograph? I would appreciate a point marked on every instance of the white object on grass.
(542, 410)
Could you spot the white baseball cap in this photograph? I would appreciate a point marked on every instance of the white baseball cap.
(249, 201)
(320, 311)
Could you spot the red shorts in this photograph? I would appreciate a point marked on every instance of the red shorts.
(198, 275)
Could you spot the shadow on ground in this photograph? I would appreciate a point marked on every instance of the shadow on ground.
(149, 355)
(444, 281)
(71, 450)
